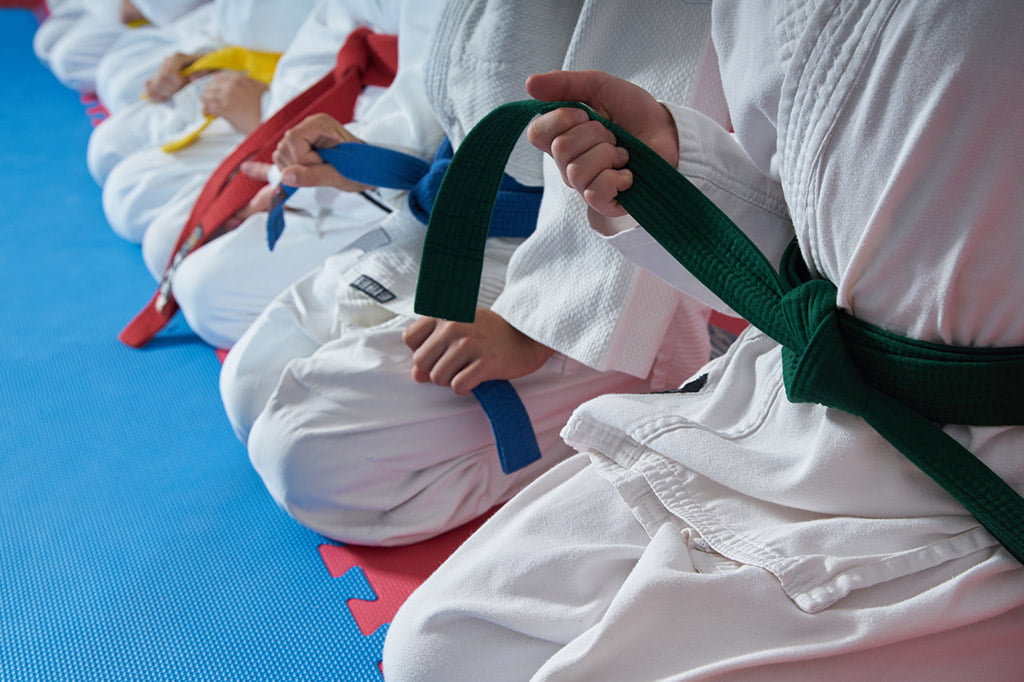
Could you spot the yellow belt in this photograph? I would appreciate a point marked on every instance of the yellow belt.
(256, 65)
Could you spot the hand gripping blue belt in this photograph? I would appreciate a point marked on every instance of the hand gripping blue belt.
(515, 215)
(904, 388)
(515, 209)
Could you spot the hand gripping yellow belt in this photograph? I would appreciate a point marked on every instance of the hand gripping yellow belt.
(903, 388)
(256, 65)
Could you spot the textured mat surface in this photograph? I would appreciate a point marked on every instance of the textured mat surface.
(136, 542)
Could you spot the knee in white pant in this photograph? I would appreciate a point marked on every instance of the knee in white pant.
(68, 65)
(330, 485)
(206, 302)
(242, 400)
(410, 652)
(282, 458)
(48, 34)
(119, 206)
(102, 154)
(159, 240)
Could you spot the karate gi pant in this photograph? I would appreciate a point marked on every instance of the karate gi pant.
(73, 44)
(134, 57)
(147, 124)
(565, 583)
(224, 286)
(346, 442)
(143, 183)
(137, 54)
(56, 25)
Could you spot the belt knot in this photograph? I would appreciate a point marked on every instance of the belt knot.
(817, 368)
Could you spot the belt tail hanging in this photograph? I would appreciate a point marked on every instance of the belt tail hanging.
(814, 335)
(510, 424)
(366, 58)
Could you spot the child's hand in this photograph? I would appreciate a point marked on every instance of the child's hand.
(168, 79)
(301, 165)
(463, 356)
(260, 203)
(585, 150)
(130, 13)
(234, 97)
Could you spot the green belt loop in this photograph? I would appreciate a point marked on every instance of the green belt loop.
(900, 386)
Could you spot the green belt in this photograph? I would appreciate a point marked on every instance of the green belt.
(900, 386)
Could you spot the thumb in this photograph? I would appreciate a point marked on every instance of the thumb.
(615, 99)
(595, 88)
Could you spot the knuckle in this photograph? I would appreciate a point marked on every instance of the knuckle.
(576, 174)
(560, 147)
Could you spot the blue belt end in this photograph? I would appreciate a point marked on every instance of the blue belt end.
(510, 424)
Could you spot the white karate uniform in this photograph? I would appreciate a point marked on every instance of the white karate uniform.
(61, 17)
(150, 183)
(75, 36)
(728, 533)
(136, 55)
(223, 286)
(165, 12)
(151, 193)
(320, 385)
(265, 26)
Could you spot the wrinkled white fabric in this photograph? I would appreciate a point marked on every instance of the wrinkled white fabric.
(223, 286)
(139, 188)
(164, 12)
(73, 39)
(266, 26)
(619, 316)
(786, 541)
(320, 385)
(61, 16)
(137, 54)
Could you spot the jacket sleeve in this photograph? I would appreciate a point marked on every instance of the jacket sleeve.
(567, 289)
(710, 157)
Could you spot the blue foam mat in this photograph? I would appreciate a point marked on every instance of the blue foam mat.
(136, 542)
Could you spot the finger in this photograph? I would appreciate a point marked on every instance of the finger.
(418, 332)
(426, 357)
(297, 147)
(289, 154)
(166, 86)
(261, 202)
(579, 139)
(196, 75)
(583, 169)
(209, 101)
(256, 169)
(570, 86)
(602, 193)
(155, 88)
(453, 361)
(471, 376)
(543, 130)
(320, 175)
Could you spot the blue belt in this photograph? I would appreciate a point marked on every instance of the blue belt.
(515, 209)
(514, 215)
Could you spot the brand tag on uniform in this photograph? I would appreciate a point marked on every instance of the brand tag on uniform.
(373, 289)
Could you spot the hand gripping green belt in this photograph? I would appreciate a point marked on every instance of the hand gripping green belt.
(902, 387)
